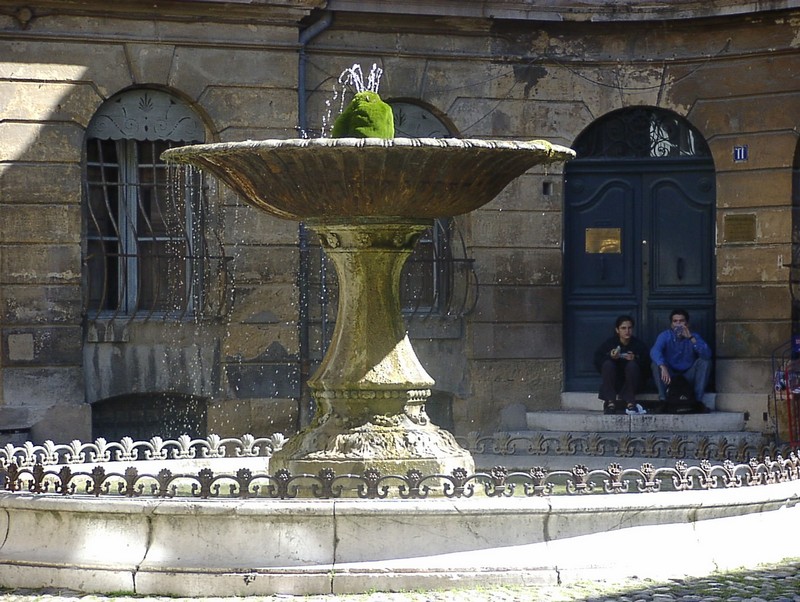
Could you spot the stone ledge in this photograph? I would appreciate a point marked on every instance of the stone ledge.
(256, 547)
(571, 10)
(583, 421)
(588, 401)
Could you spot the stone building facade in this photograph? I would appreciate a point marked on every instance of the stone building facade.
(132, 302)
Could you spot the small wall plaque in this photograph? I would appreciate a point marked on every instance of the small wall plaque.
(740, 227)
(741, 153)
(604, 240)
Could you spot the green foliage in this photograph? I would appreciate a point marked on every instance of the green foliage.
(367, 116)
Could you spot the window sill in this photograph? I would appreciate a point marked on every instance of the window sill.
(107, 331)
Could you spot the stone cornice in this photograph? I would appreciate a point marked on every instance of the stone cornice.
(524, 10)
(565, 10)
(266, 11)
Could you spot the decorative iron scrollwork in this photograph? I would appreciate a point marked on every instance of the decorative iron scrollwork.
(641, 133)
(499, 482)
(55, 470)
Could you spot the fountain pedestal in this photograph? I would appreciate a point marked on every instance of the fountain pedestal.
(370, 388)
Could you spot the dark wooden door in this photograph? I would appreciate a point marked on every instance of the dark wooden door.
(638, 240)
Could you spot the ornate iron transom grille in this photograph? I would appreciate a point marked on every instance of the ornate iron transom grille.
(641, 133)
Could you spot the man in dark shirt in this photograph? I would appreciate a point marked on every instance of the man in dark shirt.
(622, 362)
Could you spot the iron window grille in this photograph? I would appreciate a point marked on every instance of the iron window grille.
(436, 279)
(150, 250)
(439, 278)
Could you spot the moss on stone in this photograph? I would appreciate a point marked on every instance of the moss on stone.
(367, 116)
(548, 147)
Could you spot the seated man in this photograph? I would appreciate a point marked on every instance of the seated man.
(622, 363)
(678, 350)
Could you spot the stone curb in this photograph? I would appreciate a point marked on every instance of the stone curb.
(264, 547)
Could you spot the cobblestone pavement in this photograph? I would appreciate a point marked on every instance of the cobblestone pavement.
(767, 583)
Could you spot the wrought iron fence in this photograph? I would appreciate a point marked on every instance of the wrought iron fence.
(127, 450)
(646, 445)
(499, 482)
(50, 469)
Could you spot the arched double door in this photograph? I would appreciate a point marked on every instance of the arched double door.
(638, 234)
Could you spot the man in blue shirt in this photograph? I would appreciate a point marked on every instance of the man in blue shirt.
(678, 350)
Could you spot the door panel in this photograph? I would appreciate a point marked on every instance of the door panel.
(663, 212)
(602, 215)
(602, 281)
(681, 226)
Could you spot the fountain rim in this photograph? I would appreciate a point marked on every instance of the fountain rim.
(267, 173)
(555, 151)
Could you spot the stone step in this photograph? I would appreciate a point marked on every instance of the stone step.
(597, 422)
(732, 436)
(582, 400)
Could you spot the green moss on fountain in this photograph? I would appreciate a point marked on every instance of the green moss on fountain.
(367, 116)
(549, 149)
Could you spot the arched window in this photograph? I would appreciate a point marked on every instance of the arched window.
(426, 285)
(414, 121)
(145, 235)
(640, 133)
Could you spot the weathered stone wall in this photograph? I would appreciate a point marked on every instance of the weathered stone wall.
(58, 67)
(40, 231)
(733, 77)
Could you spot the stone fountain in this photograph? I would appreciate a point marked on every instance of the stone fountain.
(369, 199)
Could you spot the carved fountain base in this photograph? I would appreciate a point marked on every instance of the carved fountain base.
(370, 388)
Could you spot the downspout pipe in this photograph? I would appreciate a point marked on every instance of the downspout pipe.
(306, 410)
(306, 35)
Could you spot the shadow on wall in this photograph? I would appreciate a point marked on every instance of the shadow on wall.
(439, 408)
(142, 416)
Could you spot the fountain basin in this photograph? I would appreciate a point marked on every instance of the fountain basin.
(336, 178)
(264, 547)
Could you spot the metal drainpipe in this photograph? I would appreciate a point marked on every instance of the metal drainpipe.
(306, 401)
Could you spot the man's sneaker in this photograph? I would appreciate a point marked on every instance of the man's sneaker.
(634, 409)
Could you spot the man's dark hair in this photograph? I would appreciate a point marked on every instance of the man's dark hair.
(679, 312)
(630, 319)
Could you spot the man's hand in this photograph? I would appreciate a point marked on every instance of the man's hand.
(664, 375)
